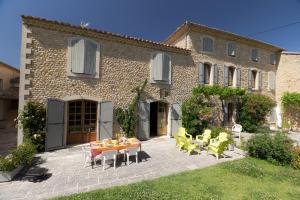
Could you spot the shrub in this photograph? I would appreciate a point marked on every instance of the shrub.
(290, 102)
(276, 149)
(22, 155)
(196, 114)
(253, 110)
(296, 157)
(33, 122)
(215, 130)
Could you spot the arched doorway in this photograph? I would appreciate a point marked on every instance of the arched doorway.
(82, 121)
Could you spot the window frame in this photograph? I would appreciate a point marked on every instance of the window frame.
(233, 76)
(210, 82)
(257, 58)
(227, 49)
(213, 44)
(69, 57)
(275, 59)
(152, 71)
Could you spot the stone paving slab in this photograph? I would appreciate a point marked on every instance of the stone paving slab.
(67, 175)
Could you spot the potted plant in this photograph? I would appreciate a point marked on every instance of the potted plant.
(14, 162)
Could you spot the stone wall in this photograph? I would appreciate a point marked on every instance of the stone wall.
(220, 57)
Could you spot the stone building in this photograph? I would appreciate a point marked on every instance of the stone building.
(83, 74)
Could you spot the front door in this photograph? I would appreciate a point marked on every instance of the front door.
(82, 120)
(162, 118)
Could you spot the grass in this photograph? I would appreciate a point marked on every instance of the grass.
(247, 178)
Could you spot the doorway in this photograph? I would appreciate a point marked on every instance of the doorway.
(158, 118)
(230, 108)
(82, 118)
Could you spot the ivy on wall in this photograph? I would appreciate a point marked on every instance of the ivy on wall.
(290, 102)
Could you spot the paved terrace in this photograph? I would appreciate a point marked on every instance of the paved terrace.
(66, 174)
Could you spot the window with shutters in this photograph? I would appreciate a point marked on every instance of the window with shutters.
(161, 68)
(230, 75)
(271, 80)
(273, 59)
(83, 58)
(231, 49)
(254, 55)
(253, 79)
(207, 44)
(207, 73)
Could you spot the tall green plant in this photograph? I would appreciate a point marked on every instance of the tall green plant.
(32, 119)
(254, 109)
(127, 118)
(290, 102)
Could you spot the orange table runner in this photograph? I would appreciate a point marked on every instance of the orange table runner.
(98, 147)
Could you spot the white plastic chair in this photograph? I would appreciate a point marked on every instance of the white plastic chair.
(237, 129)
(87, 155)
(109, 155)
(131, 151)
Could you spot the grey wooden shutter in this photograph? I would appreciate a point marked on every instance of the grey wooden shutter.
(216, 74)
(143, 120)
(90, 57)
(166, 68)
(249, 79)
(259, 74)
(77, 56)
(201, 73)
(105, 120)
(207, 44)
(271, 80)
(238, 77)
(158, 67)
(55, 124)
(176, 115)
(231, 49)
(225, 75)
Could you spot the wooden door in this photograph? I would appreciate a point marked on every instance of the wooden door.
(162, 118)
(82, 117)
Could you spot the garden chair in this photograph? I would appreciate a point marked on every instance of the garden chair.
(189, 146)
(218, 145)
(87, 155)
(109, 155)
(204, 138)
(182, 133)
(179, 141)
(237, 129)
(131, 151)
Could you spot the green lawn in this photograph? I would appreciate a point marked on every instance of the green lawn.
(242, 179)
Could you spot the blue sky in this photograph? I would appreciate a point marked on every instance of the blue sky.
(155, 19)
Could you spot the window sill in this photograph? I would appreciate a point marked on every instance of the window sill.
(94, 76)
(159, 82)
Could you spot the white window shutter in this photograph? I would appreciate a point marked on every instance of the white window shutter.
(166, 68)
(157, 67)
(259, 76)
(90, 57)
(77, 56)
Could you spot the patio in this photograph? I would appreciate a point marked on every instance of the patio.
(66, 175)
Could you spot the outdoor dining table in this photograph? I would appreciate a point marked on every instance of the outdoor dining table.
(97, 147)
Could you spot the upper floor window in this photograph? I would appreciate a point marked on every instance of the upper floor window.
(230, 75)
(254, 55)
(207, 72)
(208, 44)
(84, 57)
(231, 49)
(273, 59)
(161, 68)
(254, 79)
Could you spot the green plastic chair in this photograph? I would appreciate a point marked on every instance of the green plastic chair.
(218, 145)
(204, 138)
(182, 133)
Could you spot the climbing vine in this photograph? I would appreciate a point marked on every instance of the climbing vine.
(127, 118)
(290, 102)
